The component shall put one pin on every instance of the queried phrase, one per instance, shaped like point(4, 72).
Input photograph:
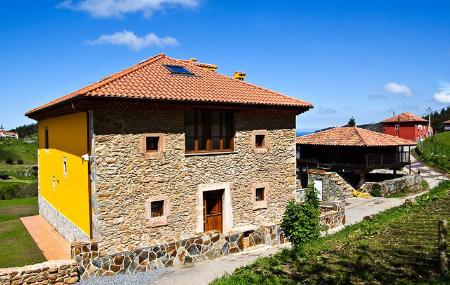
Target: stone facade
point(125, 179)
point(50, 272)
point(92, 262)
point(410, 182)
point(334, 187)
point(65, 227)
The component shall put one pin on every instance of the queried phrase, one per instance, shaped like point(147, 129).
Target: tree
point(351, 122)
point(301, 221)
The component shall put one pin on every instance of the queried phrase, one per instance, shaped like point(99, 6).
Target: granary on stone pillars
point(352, 152)
point(163, 150)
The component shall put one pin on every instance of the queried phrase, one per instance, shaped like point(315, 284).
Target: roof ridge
point(245, 82)
point(360, 135)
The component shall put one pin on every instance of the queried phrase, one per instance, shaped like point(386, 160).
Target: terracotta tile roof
point(352, 136)
point(150, 79)
point(446, 122)
point(404, 117)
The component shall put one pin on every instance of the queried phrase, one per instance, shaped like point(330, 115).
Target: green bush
point(301, 221)
point(376, 191)
point(29, 190)
point(9, 160)
point(8, 190)
point(11, 190)
point(20, 161)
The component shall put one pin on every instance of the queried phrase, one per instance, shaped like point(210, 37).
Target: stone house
point(164, 150)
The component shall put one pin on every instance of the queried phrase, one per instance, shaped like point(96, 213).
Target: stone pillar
point(362, 179)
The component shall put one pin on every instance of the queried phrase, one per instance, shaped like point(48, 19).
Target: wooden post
point(442, 245)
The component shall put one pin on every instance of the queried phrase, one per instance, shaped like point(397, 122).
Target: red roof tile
point(352, 136)
point(446, 122)
point(404, 117)
point(150, 79)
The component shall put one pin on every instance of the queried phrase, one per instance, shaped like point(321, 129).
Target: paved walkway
point(51, 243)
point(207, 271)
point(430, 175)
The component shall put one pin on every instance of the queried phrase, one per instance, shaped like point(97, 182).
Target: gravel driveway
point(128, 279)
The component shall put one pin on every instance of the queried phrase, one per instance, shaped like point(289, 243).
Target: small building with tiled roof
point(8, 135)
point(164, 150)
point(351, 150)
point(446, 125)
point(407, 126)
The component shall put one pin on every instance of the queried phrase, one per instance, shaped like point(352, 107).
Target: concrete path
point(49, 241)
point(430, 175)
point(207, 271)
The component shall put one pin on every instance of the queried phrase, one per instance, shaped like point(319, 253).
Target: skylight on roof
point(178, 69)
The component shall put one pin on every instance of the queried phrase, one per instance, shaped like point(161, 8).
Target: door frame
point(227, 213)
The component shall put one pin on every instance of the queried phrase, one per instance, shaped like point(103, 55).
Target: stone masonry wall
point(410, 182)
point(50, 272)
point(332, 214)
point(334, 187)
point(91, 261)
point(125, 179)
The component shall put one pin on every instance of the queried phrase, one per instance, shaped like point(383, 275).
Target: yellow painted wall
point(67, 140)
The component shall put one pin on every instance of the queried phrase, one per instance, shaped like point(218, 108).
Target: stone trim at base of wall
point(92, 262)
point(66, 228)
point(49, 272)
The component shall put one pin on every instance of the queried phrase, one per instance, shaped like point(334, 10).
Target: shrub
point(29, 190)
point(376, 191)
point(8, 190)
point(301, 221)
point(20, 161)
point(9, 160)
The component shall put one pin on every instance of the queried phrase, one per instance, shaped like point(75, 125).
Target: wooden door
point(212, 210)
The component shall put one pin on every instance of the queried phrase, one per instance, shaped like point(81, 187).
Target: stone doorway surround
point(227, 209)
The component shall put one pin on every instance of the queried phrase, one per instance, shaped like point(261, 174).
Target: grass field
point(398, 246)
point(435, 151)
point(17, 248)
point(21, 182)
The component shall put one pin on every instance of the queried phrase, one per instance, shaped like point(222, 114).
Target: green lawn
point(398, 246)
point(18, 149)
point(435, 151)
point(17, 248)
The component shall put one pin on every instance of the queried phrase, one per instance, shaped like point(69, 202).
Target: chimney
point(239, 75)
point(193, 59)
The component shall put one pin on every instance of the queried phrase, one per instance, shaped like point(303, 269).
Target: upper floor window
point(397, 126)
point(46, 142)
point(152, 145)
point(207, 130)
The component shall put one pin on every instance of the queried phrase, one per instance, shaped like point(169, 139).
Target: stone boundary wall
point(66, 228)
point(334, 187)
point(50, 272)
point(332, 214)
point(92, 261)
point(411, 182)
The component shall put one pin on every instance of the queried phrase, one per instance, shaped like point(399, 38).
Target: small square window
point(259, 192)
point(397, 127)
point(152, 144)
point(260, 141)
point(157, 209)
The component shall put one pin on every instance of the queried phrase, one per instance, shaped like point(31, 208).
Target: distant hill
point(18, 150)
point(435, 150)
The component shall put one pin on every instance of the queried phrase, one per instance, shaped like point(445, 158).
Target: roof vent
point(239, 75)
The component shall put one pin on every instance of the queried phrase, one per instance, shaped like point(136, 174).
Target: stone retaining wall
point(50, 272)
point(405, 183)
point(93, 262)
point(334, 187)
point(332, 214)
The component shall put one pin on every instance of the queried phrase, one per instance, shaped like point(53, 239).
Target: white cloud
point(117, 8)
point(396, 88)
point(129, 39)
point(442, 95)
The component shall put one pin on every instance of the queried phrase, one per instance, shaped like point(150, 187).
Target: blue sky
point(361, 58)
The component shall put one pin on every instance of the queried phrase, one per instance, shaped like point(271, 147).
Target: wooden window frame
point(265, 147)
point(260, 204)
point(157, 221)
point(206, 131)
point(153, 154)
